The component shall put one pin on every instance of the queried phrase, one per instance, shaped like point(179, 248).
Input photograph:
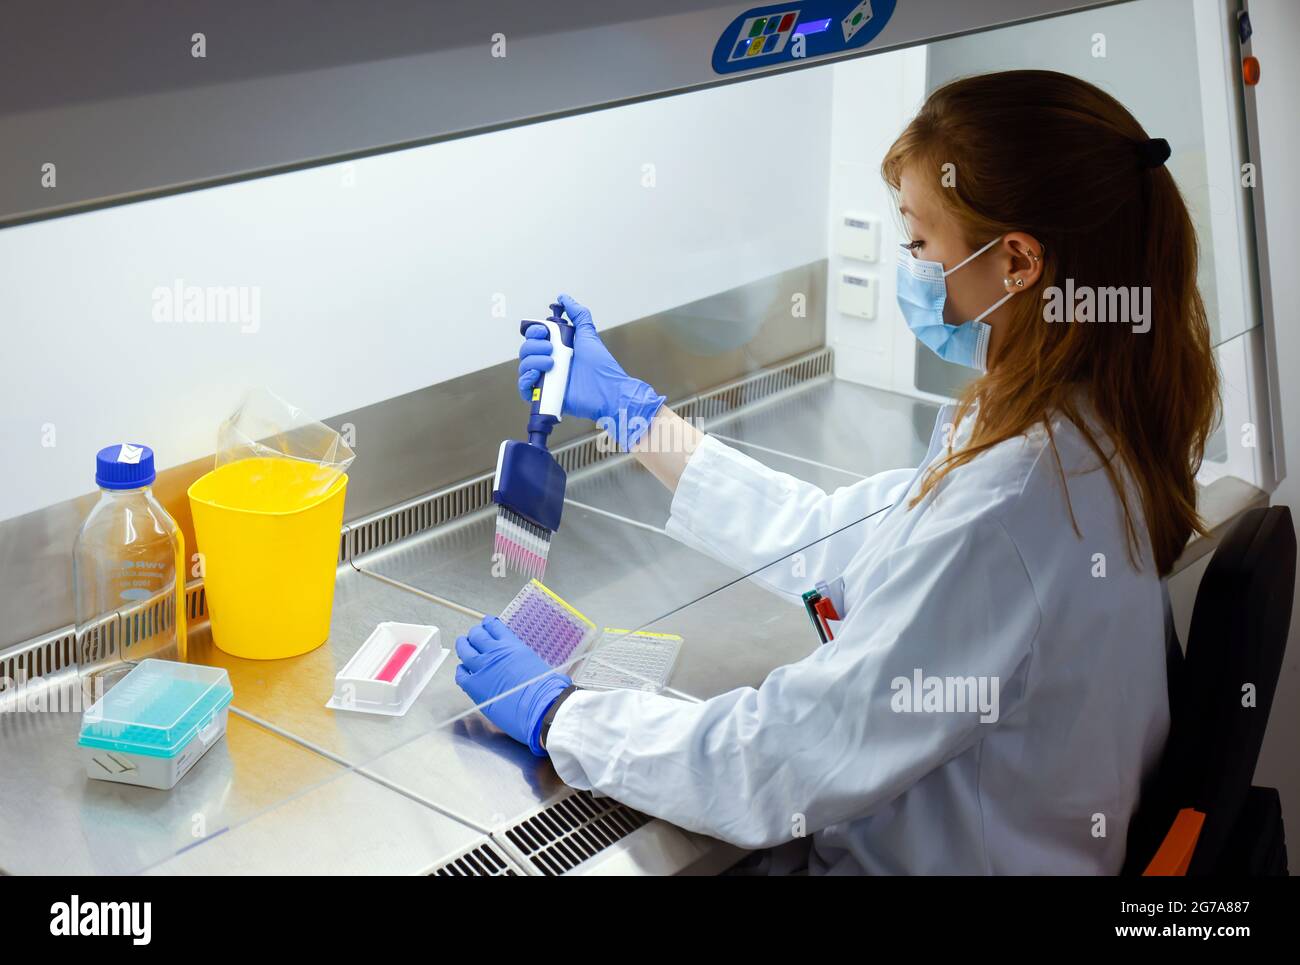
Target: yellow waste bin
point(268, 530)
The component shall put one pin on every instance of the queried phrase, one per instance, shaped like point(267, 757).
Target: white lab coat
point(985, 579)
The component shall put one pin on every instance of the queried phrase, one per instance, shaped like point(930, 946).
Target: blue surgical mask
point(922, 292)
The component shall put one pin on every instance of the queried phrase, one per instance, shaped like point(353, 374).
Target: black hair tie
point(1152, 153)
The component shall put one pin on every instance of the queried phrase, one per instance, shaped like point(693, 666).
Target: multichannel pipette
point(528, 487)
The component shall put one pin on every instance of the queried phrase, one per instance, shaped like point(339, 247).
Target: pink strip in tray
point(396, 662)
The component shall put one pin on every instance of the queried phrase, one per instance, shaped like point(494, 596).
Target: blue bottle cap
point(127, 465)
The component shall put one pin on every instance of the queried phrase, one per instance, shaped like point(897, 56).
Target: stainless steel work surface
point(471, 771)
point(290, 694)
point(628, 490)
point(736, 635)
point(734, 638)
point(441, 750)
point(829, 433)
point(608, 561)
point(841, 424)
point(56, 820)
point(347, 825)
point(264, 800)
point(624, 574)
point(616, 573)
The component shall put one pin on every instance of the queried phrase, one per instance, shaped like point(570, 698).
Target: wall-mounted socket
point(857, 235)
point(857, 294)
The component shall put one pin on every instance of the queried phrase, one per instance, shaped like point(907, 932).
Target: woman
point(1026, 552)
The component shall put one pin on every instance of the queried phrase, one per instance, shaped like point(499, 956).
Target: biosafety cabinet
point(386, 196)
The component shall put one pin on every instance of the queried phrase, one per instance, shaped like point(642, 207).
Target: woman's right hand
point(598, 389)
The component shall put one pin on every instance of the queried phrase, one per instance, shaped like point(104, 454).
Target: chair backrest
point(1221, 695)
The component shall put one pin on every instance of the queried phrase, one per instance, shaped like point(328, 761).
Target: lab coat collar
point(943, 423)
point(944, 426)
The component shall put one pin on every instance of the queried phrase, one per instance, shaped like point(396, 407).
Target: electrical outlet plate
point(857, 235)
point(857, 295)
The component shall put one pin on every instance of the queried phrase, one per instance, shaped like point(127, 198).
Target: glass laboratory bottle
point(129, 558)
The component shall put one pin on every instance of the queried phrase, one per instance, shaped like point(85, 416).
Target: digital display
point(813, 26)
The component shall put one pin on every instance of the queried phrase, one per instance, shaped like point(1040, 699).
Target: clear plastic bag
point(267, 428)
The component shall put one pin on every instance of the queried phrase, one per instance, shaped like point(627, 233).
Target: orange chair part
point(1175, 852)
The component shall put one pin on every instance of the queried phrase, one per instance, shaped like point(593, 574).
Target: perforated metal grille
point(418, 516)
point(99, 641)
point(38, 658)
point(196, 603)
point(104, 641)
point(560, 837)
point(726, 399)
point(147, 619)
point(480, 861)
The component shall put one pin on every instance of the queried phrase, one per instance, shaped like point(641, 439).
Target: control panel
point(778, 34)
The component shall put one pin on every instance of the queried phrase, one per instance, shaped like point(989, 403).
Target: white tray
point(356, 687)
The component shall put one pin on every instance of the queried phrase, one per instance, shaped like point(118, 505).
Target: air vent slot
point(148, 619)
point(43, 657)
point(483, 860)
point(196, 603)
point(558, 838)
point(99, 642)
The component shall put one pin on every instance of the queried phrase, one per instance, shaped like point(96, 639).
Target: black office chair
point(1201, 816)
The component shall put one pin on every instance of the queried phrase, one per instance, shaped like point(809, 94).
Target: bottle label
point(141, 579)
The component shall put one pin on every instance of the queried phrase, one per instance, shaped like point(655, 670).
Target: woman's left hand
point(495, 662)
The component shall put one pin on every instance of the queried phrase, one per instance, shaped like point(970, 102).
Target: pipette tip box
point(389, 671)
point(155, 723)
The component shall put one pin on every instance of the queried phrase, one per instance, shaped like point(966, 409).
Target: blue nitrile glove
point(494, 660)
point(599, 389)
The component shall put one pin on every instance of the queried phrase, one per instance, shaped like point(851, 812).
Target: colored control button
point(787, 22)
point(771, 43)
point(857, 19)
point(757, 29)
point(772, 24)
point(741, 48)
point(755, 47)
